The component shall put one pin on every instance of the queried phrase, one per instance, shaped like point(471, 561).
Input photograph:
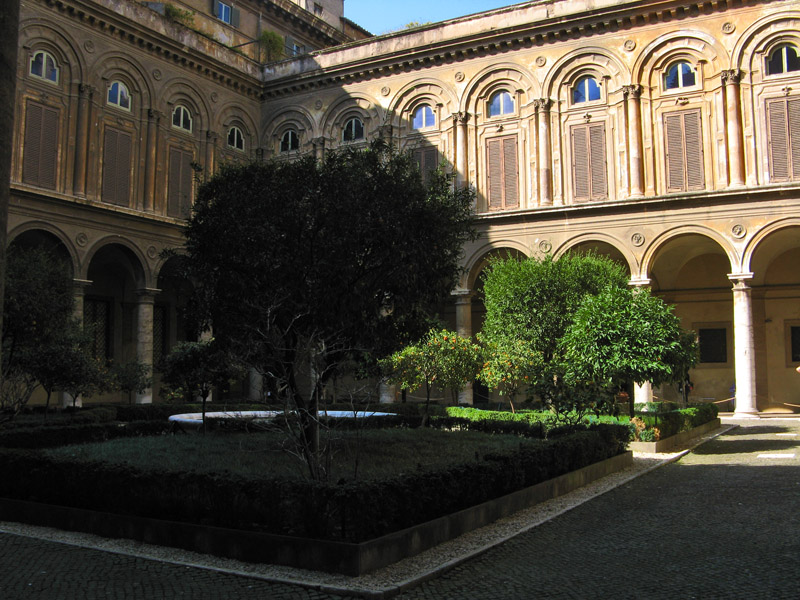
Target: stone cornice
point(298, 17)
point(148, 31)
point(369, 59)
point(635, 207)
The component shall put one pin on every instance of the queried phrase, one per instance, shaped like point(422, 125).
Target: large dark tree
point(304, 266)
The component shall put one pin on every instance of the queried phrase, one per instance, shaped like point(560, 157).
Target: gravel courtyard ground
point(720, 522)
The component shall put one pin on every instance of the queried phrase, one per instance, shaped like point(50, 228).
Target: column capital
point(212, 136)
point(147, 294)
point(85, 90)
point(634, 91)
point(462, 295)
point(731, 76)
point(154, 115)
point(543, 104)
point(461, 117)
point(80, 285)
point(740, 279)
point(639, 282)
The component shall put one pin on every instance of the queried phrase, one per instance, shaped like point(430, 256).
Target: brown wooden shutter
point(41, 146)
point(427, 160)
point(793, 108)
point(580, 163)
point(684, 151)
point(510, 175)
point(116, 167)
point(778, 140)
point(179, 200)
point(494, 161)
point(695, 169)
point(597, 161)
point(502, 172)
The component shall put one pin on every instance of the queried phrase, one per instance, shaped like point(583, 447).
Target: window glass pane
point(578, 92)
point(418, 118)
point(495, 106)
point(775, 62)
point(51, 71)
point(671, 79)
point(113, 93)
point(713, 345)
point(187, 120)
point(792, 60)
point(124, 98)
point(508, 104)
point(37, 64)
point(176, 116)
point(688, 78)
point(224, 12)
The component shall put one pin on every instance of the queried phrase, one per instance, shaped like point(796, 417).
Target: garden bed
point(323, 555)
point(674, 441)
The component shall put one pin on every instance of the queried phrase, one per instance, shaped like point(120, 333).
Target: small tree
point(509, 366)
point(442, 357)
point(197, 367)
point(86, 376)
point(625, 335)
point(132, 377)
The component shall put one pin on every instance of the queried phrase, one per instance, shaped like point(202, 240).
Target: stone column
point(211, 145)
point(545, 158)
point(743, 344)
point(460, 120)
point(387, 393)
point(733, 113)
point(319, 147)
point(463, 300)
point(144, 336)
point(633, 94)
point(150, 165)
point(85, 93)
point(255, 386)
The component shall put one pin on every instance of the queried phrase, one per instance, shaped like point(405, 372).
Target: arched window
point(44, 66)
point(290, 141)
point(423, 117)
point(679, 75)
point(353, 130)
point(585, 90)
point(235, 139)
point(182, 118)
point(501, 103)
point(783, 60)
point(119, 96)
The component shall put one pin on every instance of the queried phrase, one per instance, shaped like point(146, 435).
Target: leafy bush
point(51, 436)
point(654, 424)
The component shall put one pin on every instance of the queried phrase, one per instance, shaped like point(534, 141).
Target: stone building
point(663, 134)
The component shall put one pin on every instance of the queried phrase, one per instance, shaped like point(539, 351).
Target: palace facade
point(665, 135)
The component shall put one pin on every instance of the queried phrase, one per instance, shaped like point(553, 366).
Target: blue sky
point(380, 16)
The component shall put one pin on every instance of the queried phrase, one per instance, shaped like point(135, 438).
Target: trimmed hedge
point(45, 436)
point(354, 511)
point(670, 423)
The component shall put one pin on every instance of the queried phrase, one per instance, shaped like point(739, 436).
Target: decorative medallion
point(156, 74)
point(545, 246)
point(385, 91)
point(81, 239)
point(728, 27)
point(629, 45)
point(152, 252)
point(738, 230)
point(318, 104)
point(459, 76)
point(637, 239)
point(214, 97)
point(541, 61)
point(88, 45)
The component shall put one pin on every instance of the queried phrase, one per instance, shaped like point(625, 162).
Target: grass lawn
point(374, 454)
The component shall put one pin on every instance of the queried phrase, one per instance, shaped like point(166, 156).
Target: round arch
point(673, 45)
point(358, 105)
point(55, 233)
point(42, 34)
point(603, 244)
point(761, 36)
point(114, 65)
point(573, 65)
point(183, 91)
point(140, 272)
point(494, 76)
point(479, 258)
point(765, 246)
point(657, 245)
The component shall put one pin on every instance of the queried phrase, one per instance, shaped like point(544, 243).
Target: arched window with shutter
point(783, 59)
point(44, 66)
